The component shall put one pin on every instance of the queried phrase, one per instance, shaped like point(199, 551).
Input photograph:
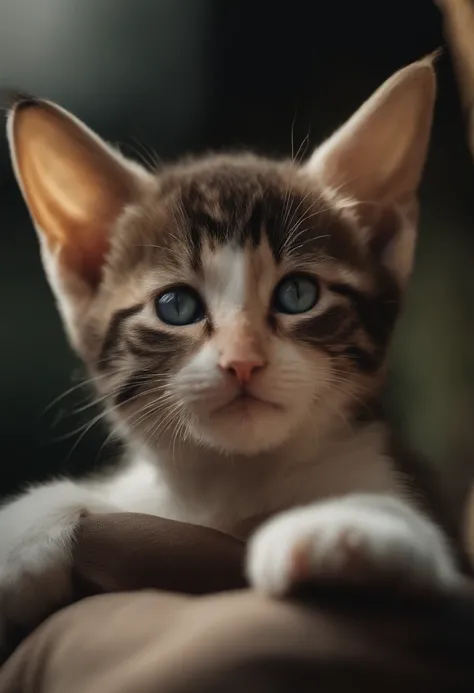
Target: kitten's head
point(230, 299)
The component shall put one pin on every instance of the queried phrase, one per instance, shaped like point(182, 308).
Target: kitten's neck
point(203, 486)
point(185, 461)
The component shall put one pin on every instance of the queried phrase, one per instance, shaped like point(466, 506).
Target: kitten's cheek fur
point(36, 542)
point(352, 539)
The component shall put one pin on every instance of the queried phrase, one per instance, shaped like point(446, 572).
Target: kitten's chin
point(244, 427)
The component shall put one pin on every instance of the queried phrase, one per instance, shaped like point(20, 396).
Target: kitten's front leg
point(356, 538)
point(37, 532)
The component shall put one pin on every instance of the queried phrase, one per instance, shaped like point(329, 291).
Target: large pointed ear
point(377, 158)
point(76, 186)
point(378, 155)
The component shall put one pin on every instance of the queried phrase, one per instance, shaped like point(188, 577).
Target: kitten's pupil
point(176, 299)
point(296, 289)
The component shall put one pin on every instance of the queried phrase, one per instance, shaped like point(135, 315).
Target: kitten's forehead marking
point(226, 275)
point(263, 273)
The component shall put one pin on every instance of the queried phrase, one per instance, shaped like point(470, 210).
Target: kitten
point(236, 314)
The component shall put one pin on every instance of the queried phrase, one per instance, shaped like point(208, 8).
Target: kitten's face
point(256, 306)
point(231, 301)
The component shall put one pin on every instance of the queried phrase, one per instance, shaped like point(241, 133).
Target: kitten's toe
point(346, 543)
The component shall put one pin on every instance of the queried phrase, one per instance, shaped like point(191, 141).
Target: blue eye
point(179, 306)
point(296, 294)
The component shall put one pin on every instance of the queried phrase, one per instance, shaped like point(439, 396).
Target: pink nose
point(243, 370)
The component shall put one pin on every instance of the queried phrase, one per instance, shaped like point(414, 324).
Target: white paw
point(36, 539)
point(357, 539)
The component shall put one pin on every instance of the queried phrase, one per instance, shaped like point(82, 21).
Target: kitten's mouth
point(244, 403)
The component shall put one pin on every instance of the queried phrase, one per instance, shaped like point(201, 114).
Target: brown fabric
point(129, 551)
point(132, 551)
point(139, 642)
point(459, 32)
point(156, 642)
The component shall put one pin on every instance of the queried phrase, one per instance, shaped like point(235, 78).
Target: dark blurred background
point(175, 76)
